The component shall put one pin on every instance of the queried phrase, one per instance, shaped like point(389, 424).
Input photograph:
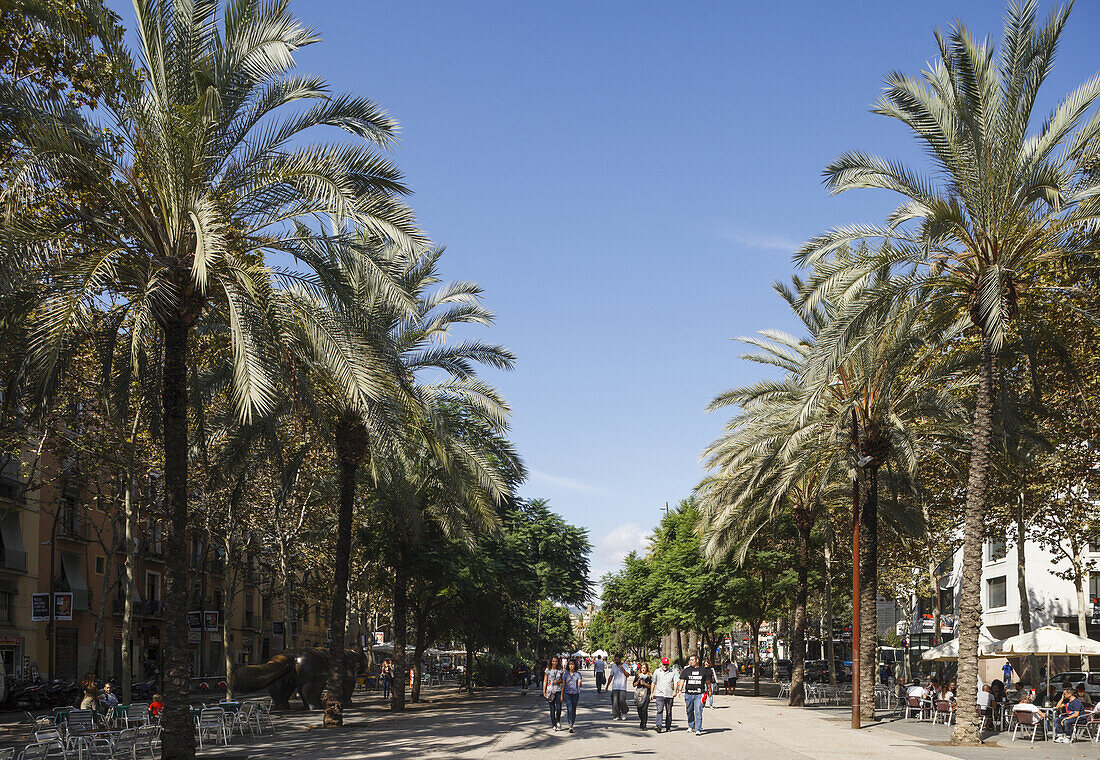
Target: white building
point(1052, 600)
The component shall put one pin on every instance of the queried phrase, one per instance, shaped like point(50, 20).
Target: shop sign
point(11, 641)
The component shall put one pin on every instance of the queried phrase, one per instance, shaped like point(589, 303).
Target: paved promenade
point(499, 723)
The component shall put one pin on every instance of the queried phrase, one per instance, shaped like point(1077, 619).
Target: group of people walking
point(562, 681)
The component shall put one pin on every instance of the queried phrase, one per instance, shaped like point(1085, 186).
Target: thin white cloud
point(762, 240)
point(612, 547)
point(567, 483)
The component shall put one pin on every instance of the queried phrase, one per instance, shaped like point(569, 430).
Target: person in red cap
point(664, 693)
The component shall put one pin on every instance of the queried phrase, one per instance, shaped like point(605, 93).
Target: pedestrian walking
point(619, 679)
point(693, 684)
point(551, 691)
point(731, 677)
point(643, 691)
point(712, 685)
point(664, 694)
point(600, 667)
point(571, 688)
point(386, 678)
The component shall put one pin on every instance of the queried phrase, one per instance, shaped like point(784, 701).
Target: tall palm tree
point(1002, 207)
point(358, 375)
point(198, 173)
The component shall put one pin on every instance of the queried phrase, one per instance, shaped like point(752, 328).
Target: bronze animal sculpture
point(304, 670)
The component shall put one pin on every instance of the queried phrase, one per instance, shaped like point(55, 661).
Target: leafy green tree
point(1002, 208)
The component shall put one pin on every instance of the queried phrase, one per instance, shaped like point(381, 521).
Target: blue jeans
point(571, 707)
point(694, 705)
point(1065, 726)
point(555, 708)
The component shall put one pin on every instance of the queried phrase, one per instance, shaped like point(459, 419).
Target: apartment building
point(55, 531)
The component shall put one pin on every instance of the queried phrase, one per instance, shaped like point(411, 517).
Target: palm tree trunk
point(830, 654)
point(798, 642)
point(334, 698)
point(868, 596)
point(400, 626)
point(177, 730)
point(967, 724)
point(129, 506)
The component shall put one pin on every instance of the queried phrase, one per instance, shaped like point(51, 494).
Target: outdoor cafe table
point(60, 713)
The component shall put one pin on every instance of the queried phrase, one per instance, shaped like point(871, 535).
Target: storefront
point(11, 654)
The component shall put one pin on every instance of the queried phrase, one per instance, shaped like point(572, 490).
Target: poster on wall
point(63, 605)
point(211, 621)
point(40, 607)
point(194, 621)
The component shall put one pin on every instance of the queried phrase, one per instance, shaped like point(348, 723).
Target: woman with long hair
point(571, 688)
point(551, 690)
point(643, 690)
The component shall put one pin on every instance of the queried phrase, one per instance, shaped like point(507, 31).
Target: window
point(1094, 588)
point(152, 586)
point(100, 565)
point(1094, 544)
point(947, 601)
point(8, 488)
point(7, 602)
point(996, 592)
point(996, 549)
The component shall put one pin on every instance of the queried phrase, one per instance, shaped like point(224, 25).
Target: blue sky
point(625, 180)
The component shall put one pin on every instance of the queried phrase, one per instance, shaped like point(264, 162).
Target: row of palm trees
point(906, 321)
point(197, 219)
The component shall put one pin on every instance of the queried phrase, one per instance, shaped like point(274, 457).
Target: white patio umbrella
point(949, 650)
point(1048, 640)
point(599, 653)
point(580, 653)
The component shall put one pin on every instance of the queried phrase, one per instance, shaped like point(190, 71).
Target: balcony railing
point(13, 559)
point(82, 598)
point(73, 527)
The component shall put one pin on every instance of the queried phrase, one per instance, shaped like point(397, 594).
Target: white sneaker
point(699, 732)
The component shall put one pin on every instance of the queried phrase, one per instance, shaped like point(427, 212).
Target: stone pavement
point(499, 722)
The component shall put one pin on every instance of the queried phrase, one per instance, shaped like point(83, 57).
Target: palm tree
point(198, 174)
point(1001, 208)
point(358, 376)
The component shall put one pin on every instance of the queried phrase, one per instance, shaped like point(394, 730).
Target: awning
point(11, 533)
point(74, 571)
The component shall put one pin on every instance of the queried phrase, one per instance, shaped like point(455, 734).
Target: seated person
point(916, 690)
point(997, 692)
point(1083, 695)
point(1067, 716)
point(949, 692)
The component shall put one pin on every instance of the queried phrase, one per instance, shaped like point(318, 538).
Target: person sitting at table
point(1068, 715)
point(90, 701)
point(916, 690)
point(108, 698)
point(1084, 696)
point(949, 692)
point(156, 705)
point(935, 690)
point(997, 692)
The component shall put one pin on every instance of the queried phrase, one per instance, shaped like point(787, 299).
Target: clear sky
point(626, 179)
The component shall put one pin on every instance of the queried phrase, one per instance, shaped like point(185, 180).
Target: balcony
point(144, 608)
point(72, 527)
point(251, 621)
point(13, 559)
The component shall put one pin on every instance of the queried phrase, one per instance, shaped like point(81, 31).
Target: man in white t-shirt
point(600, 666)
point(916, 690)
point(619, 678)
point(731, 677)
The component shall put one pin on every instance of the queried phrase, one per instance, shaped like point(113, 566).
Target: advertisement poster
point(63, 605)
point(211, 621)
point(194, 621)
point(40, 607)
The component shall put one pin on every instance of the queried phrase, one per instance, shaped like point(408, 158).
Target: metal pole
point(855, 582)
point(51, 627)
